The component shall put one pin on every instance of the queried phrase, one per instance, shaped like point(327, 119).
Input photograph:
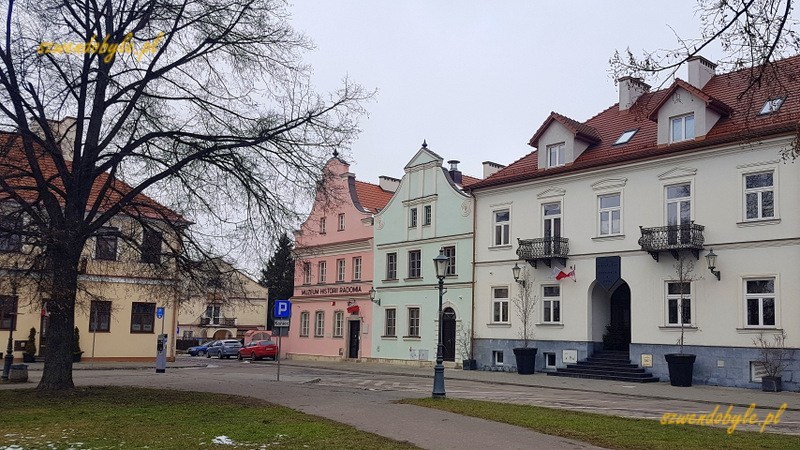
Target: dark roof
point(722, 93)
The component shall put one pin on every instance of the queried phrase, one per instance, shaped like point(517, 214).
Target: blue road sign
point(283, 309)
point(160, 312)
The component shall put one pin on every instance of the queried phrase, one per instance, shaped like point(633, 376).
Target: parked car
point(224, 348)
point(258, 350)
point(199, 350)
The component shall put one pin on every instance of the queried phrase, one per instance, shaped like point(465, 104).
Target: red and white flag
point(571, 274)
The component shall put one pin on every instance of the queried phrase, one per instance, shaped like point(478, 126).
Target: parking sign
point(160, 312)
point(283, 309)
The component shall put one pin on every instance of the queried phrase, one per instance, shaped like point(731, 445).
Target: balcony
point(544, 249)
point(672, 239)
point(217, 322)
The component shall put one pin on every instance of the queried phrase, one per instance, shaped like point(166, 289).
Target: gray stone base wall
point(722, 366)
point(483, 348)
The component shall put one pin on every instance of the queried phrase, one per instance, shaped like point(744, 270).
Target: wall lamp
point(711, 259)
point(372, 298)
point(516, 270)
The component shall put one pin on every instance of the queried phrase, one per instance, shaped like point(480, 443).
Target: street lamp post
point(9, 358)
point(438, 371)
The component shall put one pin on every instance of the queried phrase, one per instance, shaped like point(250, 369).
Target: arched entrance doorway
point(449, 334)
point(611, 316)
point(223, 334)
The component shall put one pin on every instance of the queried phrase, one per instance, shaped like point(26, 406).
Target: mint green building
point(429, 213)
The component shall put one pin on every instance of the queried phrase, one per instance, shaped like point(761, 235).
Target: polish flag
point(571, 274)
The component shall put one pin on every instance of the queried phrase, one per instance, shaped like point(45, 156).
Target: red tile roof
point(583, 131)
point(15, 170)
point(711, 102)
point(371, 196)
point(467, 181)
point(721, 92)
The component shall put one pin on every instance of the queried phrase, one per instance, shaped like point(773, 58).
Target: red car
point(258, 350)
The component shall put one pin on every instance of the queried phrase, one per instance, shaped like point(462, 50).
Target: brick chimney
point(700, 71)
point(388, 184)
point(630, 89)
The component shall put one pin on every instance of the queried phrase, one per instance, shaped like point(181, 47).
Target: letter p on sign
point(283, 309)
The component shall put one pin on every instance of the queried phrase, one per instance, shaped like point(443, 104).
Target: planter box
point(526, 360)
point(771, 384)
point(469, 364)
point(681, 368)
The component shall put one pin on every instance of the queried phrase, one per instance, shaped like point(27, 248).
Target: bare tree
point(525, 306)
point(205, 105)
point(684, 276)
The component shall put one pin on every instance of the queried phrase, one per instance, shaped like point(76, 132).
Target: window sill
point(412, 279)
point(677, 328)
point(755, 330)
point(501, 247)
point(303, 335)
point(319, 337)
point(390, 280)
point(610, 237)
point(550, 324)
point(338, 337)
point(393, 338)
point(498, 325)
point(451, 277)
point(758, 222)
point(340, 281)
point(412, 338)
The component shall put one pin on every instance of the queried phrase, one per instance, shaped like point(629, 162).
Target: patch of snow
point(223, 440)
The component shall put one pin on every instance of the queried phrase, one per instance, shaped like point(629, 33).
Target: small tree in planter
point(29, 355)
point(773, 360)
point(76, 346)
point(465, 348)
point(524, 305)
point(681, 365)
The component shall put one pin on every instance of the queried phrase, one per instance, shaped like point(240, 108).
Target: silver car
point(224, 348)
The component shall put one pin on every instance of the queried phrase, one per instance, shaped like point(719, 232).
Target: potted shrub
point(524, 304)
point(465, 348)
point(29, 355)
point(681, 365)
point(76, 346)
point(773, 359)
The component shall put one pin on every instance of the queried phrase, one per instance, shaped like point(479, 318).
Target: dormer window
point(626, 137)
point(682, 128)
point(771, 106)
point(555, 155)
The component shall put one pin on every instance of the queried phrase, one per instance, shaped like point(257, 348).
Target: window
point(682, 128)
point(427, 215)
point(106, 244)
point(390, 326)
point(304, 324)
point(151, 246)
point(10, 242)
point(759, 196)
point(760, 299)
point(338, 324)
point(322, 225)
point(497, 357)
point(414, 264)
point(555, 155)
point(625, 137)
point(450, 252)
point(610, 214)
point(213, 314)
point(549, 360)
point(340, 269)
point(356, 268)
point(500, 305)
point(188, 334)
point(391, 266)
point(412, 218)
point(502, 223)
point(341, 222)
point(772, 105)
point(8, 312)
point(319, 324)
point(143, 316)
point(100, 316)
point(413, 322)
point(679, 214)
point(322, 268)
point(551, 304)
point(679, 303)
point(306, 273)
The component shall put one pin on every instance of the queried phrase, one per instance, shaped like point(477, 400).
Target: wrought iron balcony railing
point(544, 249)
point(217, 321)
point(673, 239)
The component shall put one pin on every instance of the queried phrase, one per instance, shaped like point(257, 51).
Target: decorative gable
point(686, 113)
point(560, 140)
point(424, 157)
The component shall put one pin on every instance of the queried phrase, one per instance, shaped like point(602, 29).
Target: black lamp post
point(711, 259)
point(9, 358)
point(438, 371)
point(372, 293)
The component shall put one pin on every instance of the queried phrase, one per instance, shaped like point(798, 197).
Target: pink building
point(331, 308)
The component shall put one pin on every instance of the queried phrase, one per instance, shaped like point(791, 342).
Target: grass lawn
point(122, 417)
point(610, 431)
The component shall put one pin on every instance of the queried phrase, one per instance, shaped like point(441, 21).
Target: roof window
point(772, 105)
point(626, 136)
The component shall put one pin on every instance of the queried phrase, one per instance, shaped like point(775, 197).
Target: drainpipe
point(474, 252)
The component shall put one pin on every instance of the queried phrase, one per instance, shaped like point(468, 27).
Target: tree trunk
point(63, 261)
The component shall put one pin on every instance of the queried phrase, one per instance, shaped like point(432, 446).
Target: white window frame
point(323, 225)
point(341, 222)
point(356, 268)
point(550, 304)
point(391, 266)
point(682, 118)
point(338, 324)
point(341, 269)
point(560, 155)
point(413, 217)
point(761, 297)
point(414, 322)
point(418, 267)
point(502, 303)
point(678, 304)
point(498, 358)
point(322, 271)
point(319, 324)
point(504, 226)
point(450, 269)
point(609, 211)
point(427, 215)
point(390, 322)
point(306, 272)
point(304, 323)
point(759, 192)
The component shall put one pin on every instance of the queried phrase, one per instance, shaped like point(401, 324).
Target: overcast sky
point(476, 78)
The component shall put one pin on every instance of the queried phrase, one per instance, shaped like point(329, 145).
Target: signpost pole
point(280, 334)
point(281, 314)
